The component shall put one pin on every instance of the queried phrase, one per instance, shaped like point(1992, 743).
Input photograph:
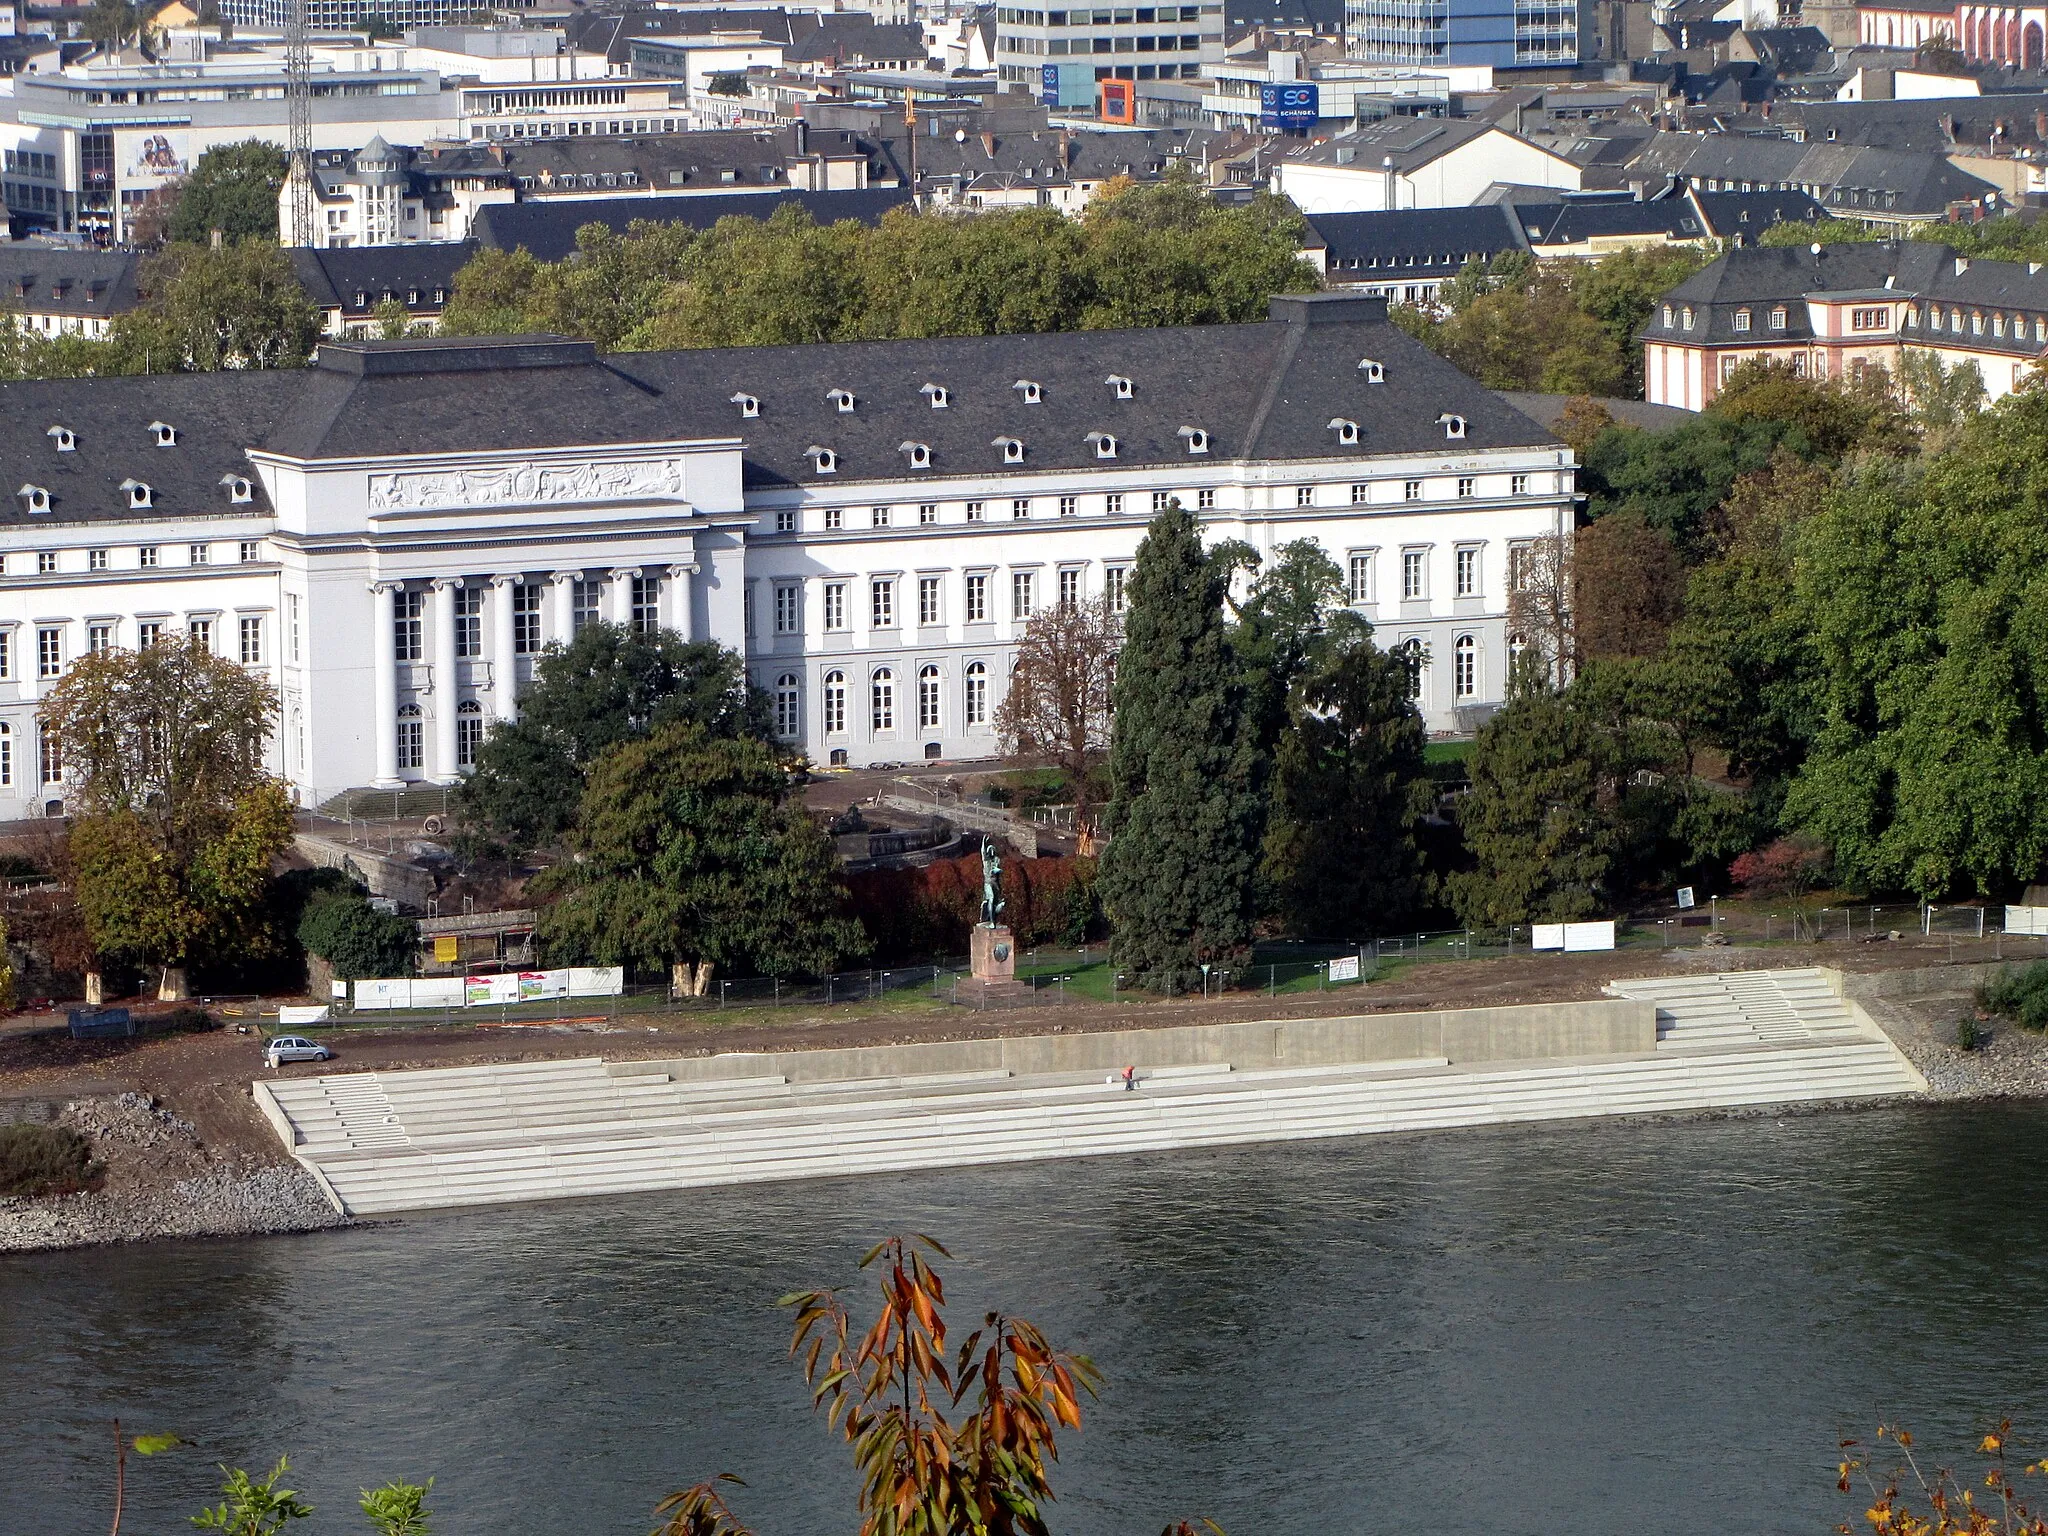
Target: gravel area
point(163, 1181)
point(2008, 1063)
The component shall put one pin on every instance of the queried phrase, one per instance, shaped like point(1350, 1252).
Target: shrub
point(189, 1020)
point(357, 940)
point(2021, 996)
point(1786, 868)
point(44, 1160)
point(1969, 1033)
point(920, 914)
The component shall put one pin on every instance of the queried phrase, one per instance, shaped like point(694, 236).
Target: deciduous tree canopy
point(233, 189)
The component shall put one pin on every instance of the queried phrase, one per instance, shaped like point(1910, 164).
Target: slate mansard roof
point(1265, 391)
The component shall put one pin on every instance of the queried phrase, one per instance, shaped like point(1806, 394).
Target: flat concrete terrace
point(417, 1140)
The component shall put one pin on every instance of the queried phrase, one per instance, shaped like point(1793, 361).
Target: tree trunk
point(95, 989)
point(679, 979)
point(172, 988)
point(702, 985)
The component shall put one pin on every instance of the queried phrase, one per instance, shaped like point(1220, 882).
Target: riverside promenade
point(386, 1142)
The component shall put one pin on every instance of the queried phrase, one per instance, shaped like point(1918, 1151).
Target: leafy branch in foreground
point(1908, 1501)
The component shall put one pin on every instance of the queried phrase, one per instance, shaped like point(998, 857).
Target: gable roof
point(67, 281)
point(548, 229)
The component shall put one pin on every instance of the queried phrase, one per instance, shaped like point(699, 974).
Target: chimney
point(988, 145)
point(1393, 182)
point(2041, 126)
point(803, 137)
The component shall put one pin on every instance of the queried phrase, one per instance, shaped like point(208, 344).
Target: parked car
point(280, 1049)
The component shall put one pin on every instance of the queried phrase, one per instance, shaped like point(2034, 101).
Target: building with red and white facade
point(1839, 313)
point(1983, 34)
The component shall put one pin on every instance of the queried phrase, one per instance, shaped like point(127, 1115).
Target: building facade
point(1501, 34)
point(393, 535)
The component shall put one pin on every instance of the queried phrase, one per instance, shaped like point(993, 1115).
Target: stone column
point(445, 691)
point(682, 600)
point(565, 605)
point(384, 677)
point(504, 663)
point(622, 595)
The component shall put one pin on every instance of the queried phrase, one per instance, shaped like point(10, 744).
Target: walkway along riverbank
point(419, 1140)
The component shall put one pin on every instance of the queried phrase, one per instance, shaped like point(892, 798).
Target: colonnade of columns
point(440, 621)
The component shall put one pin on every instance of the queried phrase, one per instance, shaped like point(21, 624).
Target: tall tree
point(238, 306)
point(606, 686)
point(1058, 704)
point(176, 820)
point(1185, 813)
point(233, 189)
point(1626, 586)
point(690, 852)
point(1349, 787)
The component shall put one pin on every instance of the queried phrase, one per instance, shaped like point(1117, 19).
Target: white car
point(283, 1048)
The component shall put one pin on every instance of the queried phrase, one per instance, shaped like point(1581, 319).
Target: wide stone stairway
point(398, 1141)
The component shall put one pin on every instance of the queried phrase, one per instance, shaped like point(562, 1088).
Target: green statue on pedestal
point(991, 882)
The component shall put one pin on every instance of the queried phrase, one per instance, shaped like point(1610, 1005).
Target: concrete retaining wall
point(400, 879)
point(1917, 982)
point(1539, 1031)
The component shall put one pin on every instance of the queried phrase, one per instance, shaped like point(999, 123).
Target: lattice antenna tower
point(298, 92)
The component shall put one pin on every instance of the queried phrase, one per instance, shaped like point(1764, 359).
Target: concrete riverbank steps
point(400, 1141)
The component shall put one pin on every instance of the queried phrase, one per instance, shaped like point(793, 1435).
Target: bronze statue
point(991, 882)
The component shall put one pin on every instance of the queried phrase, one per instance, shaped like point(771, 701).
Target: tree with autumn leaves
point(175, 818)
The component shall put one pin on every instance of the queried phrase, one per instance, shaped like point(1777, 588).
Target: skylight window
point(1103, 443)
point(65, 439)
point(1347, 431)
point(1032, 391)
point(750, 406)
point(165, 434)
point(1375, 372)
point(35, 497)
point(842, 400)
point(1119, 386)
point(824, 460)
point(1453, 424)
point(238, 488)
point(139, 494)
point(938, 394)
point(1196, 439)
point(1013, 450)
point(920, 454)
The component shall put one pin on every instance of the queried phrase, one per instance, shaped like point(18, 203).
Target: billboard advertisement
point(151, 155)
point(1289, 104)
point(1116, 101)
point(1049, 84)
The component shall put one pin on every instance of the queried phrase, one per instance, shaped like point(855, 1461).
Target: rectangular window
point(834, 517)
point(6, 654)
point(1411, 490)
point(96, 560)
point(1069, 505)
point(1870, 319)
point(1742, 320)
point(974, 709)
point(200, 633)
point(99, 637)
point(526, 602)
point(201, 553)
point(46, 561)
point(974, 511)
point(1023, 585)
point(6, 755)
point(927, 599)
point(1304, 495)
point(788, 707)
point(1159, 501)
point(974, 608)
point(251, 636)
point(49, 651)
point(1520, 557)
point(789, 609)
point(646, 605)
point(1113, 503)
point(52, 742)
point(293, 631)
point(1361, 578)
point(148, 633)
point(412, 740)
point(785, 521)
point(928, 699)
point(252, 551)
point(586, 600)
point(927, 513)
point(881, 517)
point(145, 557)
point(1070, 588)
point(1205, 499)
point(1414, 575)
point(1113, 588)
point(882, 603)
point(835, 704)
point(469, 736)
point(1467, 486)
point(1518, 485)
point(882, 701)
point(406, 609)
point(1468, 573)
point(835, 605)
point(469, 621)
point(1360, 495)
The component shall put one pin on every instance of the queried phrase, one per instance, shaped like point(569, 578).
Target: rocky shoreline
point(162, 1182)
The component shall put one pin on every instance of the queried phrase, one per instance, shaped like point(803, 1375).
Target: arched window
point(835, 703)
point(6, 754)
point(975, 707)
point(1465, 666)
point(412, 737)
point(1416, 659)
point(882, 701)
point(928, 698)
point(469, 732)
point(52, 744)
point(788, 717)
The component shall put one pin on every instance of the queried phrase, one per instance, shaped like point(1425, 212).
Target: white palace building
point(394, 533)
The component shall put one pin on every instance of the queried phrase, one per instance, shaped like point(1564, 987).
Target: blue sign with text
point(1049, 84)
point(1289, 106)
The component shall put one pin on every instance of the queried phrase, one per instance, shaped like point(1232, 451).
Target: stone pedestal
point(994, 952)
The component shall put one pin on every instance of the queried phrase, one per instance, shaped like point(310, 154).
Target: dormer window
point(238, 488)
point(1013, 450)
point(34, 497)
point(938, 394)
point(920, 454)
point(1119, 386)
point(165, 434)
point(1375, 372)
point(842, 400)
point(750, 407)
point(1196, 439)
point(1667, 317)
point(139, 494)
point(65, 439)
point(1453, 424)
point(824, 460)
point(1032, 391)
point(1347, 431)
point(1103, 443)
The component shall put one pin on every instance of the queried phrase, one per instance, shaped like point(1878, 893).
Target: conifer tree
point(1184, 816)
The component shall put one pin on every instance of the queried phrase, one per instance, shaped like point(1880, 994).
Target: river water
point(1618, 1328)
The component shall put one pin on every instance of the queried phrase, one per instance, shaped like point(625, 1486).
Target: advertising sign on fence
point(489, 991)
point(1345, 969)
point(1573, 938)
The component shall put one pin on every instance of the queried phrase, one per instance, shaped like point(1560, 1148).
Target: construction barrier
point(489, 991)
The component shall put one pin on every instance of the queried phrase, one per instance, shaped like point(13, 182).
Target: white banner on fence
point(489, 991)
point(1574, 938)
point(288, 1014)
point(2026, 920)
point(1344, 969)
